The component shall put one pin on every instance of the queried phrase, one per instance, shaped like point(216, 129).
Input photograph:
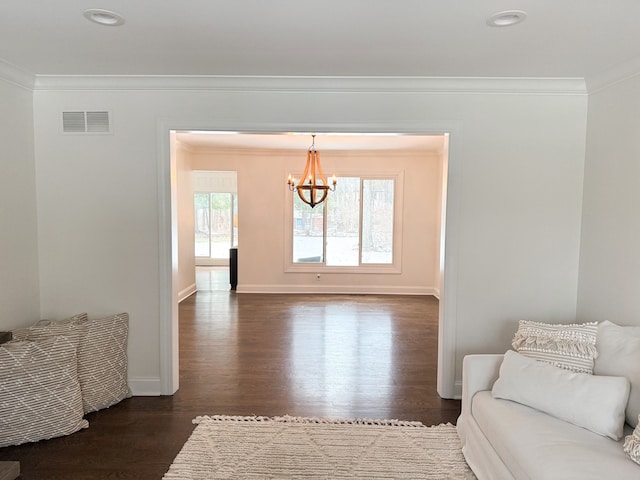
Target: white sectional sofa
point(545, 437)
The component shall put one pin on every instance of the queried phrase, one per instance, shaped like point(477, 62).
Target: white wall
point(19, 285)
point(263, 196)
point(609, 287)
point(186, 221)
point(513, 207)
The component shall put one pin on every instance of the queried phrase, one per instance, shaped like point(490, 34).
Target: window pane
point(308, 228)
point(221, 224)
point(201, 208)
point(377, 221)
point(234, 235)
point(343, 226)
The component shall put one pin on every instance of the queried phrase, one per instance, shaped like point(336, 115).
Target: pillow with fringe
point(572, 347)
point(632, 444)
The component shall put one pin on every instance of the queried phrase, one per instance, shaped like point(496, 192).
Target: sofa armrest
point(479, 372)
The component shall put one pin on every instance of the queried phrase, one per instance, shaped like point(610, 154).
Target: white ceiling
point(559, 38)
point(323, 142)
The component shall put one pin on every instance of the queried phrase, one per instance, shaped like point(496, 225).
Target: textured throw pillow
point(619, 354)
point(102, 355)
point(594, 402)
point(74, 328)
point(632, 444)
point(572, 347)
point(40, 395)
point(46, 328)
point(102, 362)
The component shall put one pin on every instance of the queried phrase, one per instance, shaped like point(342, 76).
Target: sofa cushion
point(535, 445)
point(40, 395)
point(594, 402)
point(619, 354)
point(572, 347)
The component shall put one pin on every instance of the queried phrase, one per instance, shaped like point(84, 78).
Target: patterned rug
point(314, 448)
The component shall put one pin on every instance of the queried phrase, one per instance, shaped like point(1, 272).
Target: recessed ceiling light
point(104, 17)
point(506, 18)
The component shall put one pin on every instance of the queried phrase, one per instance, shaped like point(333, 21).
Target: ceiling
point(333, 38)
point(559, 38)
point(323, 141)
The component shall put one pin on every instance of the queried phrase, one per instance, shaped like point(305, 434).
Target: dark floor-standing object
point(233, 267)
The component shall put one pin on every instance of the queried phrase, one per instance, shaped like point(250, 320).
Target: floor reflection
point(341, 357)
point(212, 279)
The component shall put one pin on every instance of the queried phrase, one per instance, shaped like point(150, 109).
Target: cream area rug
point(314, 448)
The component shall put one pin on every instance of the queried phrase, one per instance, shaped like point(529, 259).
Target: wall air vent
point(86, 122)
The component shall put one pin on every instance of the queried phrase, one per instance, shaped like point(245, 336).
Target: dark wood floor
point(337, 356)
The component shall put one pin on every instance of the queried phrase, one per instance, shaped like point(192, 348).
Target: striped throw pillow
point(572, 347)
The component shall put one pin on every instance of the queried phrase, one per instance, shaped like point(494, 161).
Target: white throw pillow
point(596, 403)
point(572, 347)
point(619, 354)
point(632, 444)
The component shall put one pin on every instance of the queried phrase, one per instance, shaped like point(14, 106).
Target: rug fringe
point(318, 420)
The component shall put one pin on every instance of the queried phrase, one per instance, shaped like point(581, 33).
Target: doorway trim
point(167, 233)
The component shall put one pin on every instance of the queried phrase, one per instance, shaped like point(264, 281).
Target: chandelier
point(312, 187)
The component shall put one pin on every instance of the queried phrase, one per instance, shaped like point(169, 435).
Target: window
point(357, 228)
point(216, 224)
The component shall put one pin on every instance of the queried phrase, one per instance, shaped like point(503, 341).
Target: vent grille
point(86, 122)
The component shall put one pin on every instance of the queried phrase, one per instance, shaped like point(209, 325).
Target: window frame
point(395, 267)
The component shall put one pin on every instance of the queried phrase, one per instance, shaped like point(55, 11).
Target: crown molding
point(16, 76)
point(457, 85)
point(612, 76)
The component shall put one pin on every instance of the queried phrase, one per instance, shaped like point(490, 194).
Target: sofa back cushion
point(619, 354)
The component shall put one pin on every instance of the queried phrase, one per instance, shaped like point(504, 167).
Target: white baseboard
point(458, 390)
point(187, 292)
point(145, 387)
point(337, 289)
